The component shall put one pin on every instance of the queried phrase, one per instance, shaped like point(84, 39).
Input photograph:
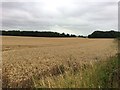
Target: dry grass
point(27, 59)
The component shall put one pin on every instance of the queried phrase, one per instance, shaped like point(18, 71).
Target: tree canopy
point(104, 34)
point(36, 33)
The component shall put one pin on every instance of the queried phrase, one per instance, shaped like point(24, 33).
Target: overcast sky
point(69, 16)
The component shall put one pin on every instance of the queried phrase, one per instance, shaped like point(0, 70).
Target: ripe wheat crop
point(27, 60)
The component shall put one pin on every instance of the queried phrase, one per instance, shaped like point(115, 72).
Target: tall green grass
point(101, 74)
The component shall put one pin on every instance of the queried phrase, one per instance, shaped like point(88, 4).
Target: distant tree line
point(95, 34)
point(36, 34)
point(104, 34)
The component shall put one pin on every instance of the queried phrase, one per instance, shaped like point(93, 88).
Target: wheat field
point(28, 57)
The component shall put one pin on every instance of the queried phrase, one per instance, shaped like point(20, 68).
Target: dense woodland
point(95, 34)
point(36, 34)
point(104, 34)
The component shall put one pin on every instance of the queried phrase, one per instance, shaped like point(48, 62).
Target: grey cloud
point(70, 17)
